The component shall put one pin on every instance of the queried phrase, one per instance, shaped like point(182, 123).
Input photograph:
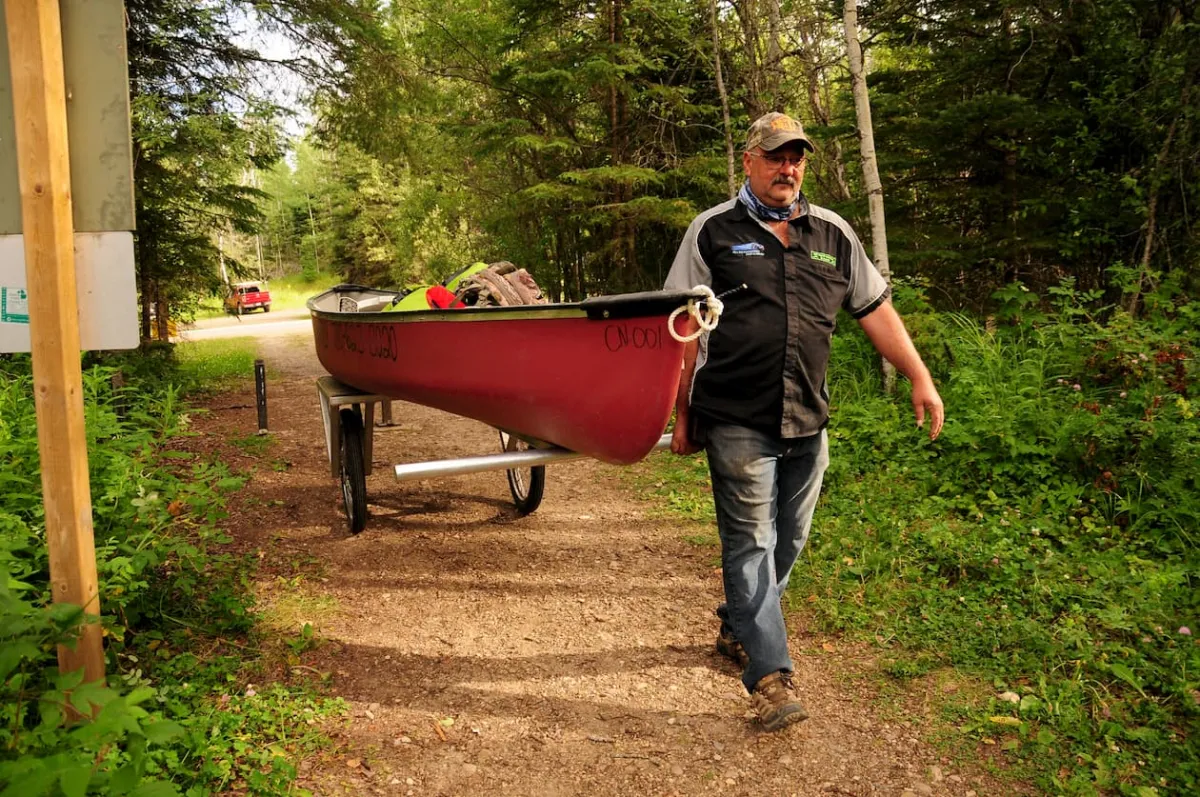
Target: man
point(753, 392)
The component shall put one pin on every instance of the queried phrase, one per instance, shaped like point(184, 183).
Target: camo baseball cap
point(773, 130)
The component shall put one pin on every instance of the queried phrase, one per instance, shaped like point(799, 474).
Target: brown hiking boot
point(776, 703)
point(729, 647)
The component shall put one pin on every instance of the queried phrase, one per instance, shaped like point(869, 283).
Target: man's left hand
point(681, 443)
point(926, 400)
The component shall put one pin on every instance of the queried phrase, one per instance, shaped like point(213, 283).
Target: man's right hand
point(680, 442)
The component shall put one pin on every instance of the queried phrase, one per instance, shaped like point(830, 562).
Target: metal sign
point(95, 70)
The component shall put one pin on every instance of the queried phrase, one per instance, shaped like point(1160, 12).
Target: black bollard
point(260, 388)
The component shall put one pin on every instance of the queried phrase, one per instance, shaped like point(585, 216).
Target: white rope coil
point(707, 320)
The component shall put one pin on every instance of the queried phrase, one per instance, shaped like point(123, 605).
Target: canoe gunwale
point(630, 305)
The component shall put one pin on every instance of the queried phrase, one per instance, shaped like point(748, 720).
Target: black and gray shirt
point(764, 365)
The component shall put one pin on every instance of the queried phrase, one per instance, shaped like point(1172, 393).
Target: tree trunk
point(162, 311)
point(1133, 301)
point(1013, 211)
point(774, 61)
point(832, 172)
point(144, 289)
point(731, 164)
point(580, 275)
point(312, 225)
point(145, 310)
point(562, 282)
point(622, 127)
point(613, 12)
point(866, 135)
point(145, 286)
point(764, 59)
point(625, 238)
point(747, 12)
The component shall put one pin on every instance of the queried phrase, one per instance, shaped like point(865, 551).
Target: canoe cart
point(596, 378)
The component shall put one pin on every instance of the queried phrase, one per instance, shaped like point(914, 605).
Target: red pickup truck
point(244, 296)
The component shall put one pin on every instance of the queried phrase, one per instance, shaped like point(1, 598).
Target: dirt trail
point(568, 652)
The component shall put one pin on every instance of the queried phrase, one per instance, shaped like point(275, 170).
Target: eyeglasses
point(776, 161)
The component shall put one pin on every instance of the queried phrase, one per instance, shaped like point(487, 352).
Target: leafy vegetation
point(1017, 140)
point(174, 597)
point(1020, 138)
point(206, 119)
point(193, 136)
point(1045, 543)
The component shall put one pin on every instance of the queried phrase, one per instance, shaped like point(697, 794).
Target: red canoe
point(598, 377)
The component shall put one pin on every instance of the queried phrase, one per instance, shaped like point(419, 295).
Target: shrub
point(162, 569)
point(1047, 539)
point(1045, 543)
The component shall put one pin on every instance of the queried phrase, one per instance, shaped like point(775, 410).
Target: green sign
point(14, 306)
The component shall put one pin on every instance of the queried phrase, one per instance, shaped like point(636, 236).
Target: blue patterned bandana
point(765, 212)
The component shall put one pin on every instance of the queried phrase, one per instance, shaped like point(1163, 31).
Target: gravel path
point(564, 653)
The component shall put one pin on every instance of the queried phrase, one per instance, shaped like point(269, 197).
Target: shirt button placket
point(791, 349)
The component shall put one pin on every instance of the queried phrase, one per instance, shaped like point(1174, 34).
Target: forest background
point(1026, 142)
point(1040, 170)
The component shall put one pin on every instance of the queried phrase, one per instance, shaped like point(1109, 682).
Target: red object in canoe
point(598, 377)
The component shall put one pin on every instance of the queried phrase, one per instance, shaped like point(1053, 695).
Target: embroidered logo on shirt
point(749, 250)
point(824, 258)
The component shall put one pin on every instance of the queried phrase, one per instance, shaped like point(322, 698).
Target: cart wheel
point(525, 484)
point(354, 480)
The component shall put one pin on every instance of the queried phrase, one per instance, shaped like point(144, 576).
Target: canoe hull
point(603, 387)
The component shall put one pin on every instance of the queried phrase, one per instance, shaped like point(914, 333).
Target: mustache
point(782, 180)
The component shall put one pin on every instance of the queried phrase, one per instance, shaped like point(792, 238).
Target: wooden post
point(39, 108)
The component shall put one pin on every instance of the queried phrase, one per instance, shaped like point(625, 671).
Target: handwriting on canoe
point(624, 336)
point(371, 340)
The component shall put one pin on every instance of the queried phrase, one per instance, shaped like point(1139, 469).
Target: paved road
point(256, 325)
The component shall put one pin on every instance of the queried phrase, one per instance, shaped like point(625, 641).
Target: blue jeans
point(765, 490)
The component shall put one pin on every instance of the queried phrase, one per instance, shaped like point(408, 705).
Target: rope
point(707, 322)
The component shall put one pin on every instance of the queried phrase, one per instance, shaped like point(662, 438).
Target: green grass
point(255, 445)
point(288, 605)
point(210, 307)
point(287, 293)
point(292, 291)
point(214, 365)
point(681, 483)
